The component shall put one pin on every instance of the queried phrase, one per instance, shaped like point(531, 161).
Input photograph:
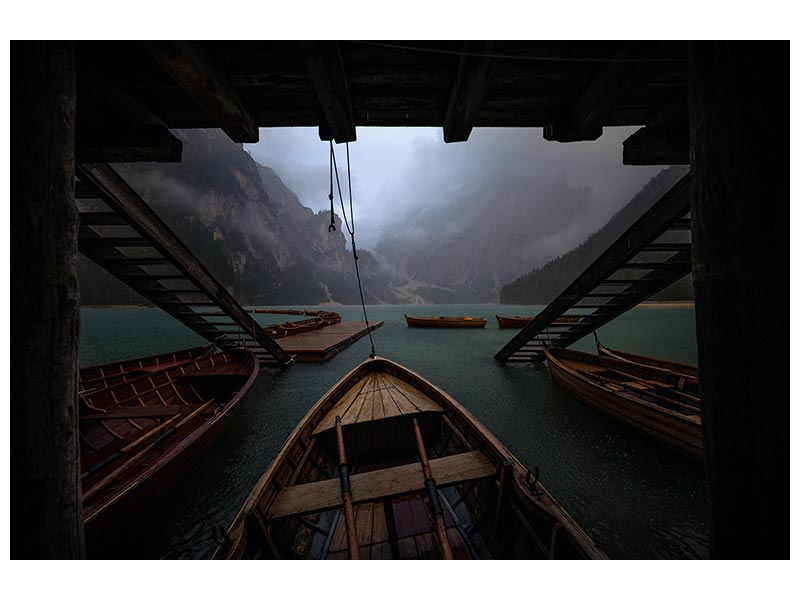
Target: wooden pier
point(322, 344)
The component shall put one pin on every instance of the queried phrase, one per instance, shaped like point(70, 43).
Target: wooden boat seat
point(375, 486)
point(142, 412)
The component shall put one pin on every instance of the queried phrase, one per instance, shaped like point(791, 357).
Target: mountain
point(247, 228)
point(542, 285)
point(465, 249)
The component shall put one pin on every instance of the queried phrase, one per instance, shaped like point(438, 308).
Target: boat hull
point(685, 369)
point(113, 515)
point(105, 375)
point(676, 431)
point(451, 322)
point(530, 510)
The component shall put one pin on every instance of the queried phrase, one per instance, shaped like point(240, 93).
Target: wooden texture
point(202, 80)
point(740, 223)
point(660, 363)
point(105, 375)
point(130, 453)
point(375, 486)
point(324, 343)
point(326, 71)
point(583, 121)
point(680, 432)
point(471, 85)
point(280, 493)
point(45, 328)
point(377, 396)
point(456, 322)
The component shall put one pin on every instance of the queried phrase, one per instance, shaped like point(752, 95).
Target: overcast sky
point(397, 170)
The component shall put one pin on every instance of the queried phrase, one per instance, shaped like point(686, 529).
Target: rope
point(578, 59)
point(352, 232)
point(332, 226)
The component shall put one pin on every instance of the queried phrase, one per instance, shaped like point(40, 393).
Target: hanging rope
point(351, 229)
point(332, 226)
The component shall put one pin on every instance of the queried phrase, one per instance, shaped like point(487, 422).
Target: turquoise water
point(635, 499)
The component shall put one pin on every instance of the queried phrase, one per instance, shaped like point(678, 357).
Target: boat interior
point(663, 388)
point(389, 424)
point(127, 427)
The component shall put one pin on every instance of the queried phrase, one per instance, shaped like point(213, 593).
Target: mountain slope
point(541, 285)
point(247, 228)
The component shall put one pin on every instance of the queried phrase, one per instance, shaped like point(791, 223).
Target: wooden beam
point(326, 71)
point(609, 89)
point(657, 146)
point(471, 85)
point(665, 140)
point(103, 140)
point(112, 126)
point(207, 86)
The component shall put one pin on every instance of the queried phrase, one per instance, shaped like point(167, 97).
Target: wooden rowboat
point(444, 322)
point(685, 369)
point(512, 322)
point(137, 435)
point(102, 376)
point(649, 401)
point(387, 465)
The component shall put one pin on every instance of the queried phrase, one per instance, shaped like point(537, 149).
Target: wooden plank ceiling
point(131, 94)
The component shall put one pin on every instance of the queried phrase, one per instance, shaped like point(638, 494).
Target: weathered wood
point(379, 485)
point(45, 475)
point(326, 70)
point(112, 126)
point(433, 494)
point(346, 495)
point(608, 90)
point(740, 226)
point(203, 81)
point(471, 85)
point(665, 145)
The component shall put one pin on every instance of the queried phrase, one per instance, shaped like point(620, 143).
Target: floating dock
point(322, 344)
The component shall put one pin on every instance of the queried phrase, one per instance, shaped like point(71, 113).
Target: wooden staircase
point(122, 234)
point(644, 260)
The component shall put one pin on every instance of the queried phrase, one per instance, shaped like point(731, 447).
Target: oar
point(433, 495)
point(128, 447)
point(136, 457)
point(347, 497)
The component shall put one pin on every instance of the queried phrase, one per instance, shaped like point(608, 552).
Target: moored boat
point(445, 321)
point(388, 466)
point(512, 322)
point(685, 369)
point(137, 435)
point(105, 375)
point(649, 401)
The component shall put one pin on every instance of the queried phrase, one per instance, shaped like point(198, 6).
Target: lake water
point(635, 499)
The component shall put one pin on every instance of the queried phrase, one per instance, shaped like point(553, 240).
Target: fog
point(397, 172)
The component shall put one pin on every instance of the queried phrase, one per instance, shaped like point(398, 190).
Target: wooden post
point(739, 125)
point(46, 513)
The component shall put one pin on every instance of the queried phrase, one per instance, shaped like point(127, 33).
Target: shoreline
point(667, 304)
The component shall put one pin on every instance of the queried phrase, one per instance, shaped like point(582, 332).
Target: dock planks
point(322, 344)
